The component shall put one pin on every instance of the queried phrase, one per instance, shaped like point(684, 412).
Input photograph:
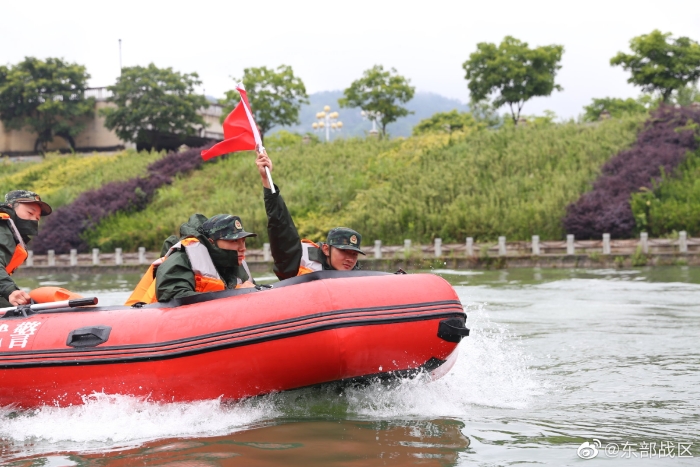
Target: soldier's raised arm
point(285, 244)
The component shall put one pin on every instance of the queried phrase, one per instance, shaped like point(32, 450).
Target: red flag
point(240, 130)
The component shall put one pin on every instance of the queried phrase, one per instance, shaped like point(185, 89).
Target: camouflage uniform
point(7, 249)
point(285, 243)
point(175, 279)
point(7, 239)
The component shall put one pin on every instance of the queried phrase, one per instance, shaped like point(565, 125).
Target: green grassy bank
point(512, 181)
point(59, 179)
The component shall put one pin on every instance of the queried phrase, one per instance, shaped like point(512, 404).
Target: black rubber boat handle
point(89, 336)
point(452, 329)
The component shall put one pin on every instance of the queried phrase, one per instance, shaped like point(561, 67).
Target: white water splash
point(108, 422)
point(491, 371)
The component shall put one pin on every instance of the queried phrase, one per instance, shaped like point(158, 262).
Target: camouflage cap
point(345, 239)
point(225, 227)
point(25, 196)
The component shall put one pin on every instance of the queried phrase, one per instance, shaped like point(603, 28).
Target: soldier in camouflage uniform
point(224, 238)
point(19, 222)
point(339, 252)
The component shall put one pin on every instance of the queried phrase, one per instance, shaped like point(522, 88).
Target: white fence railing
point(501, 248)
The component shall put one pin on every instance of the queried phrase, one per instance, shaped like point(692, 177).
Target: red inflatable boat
point(323, 327)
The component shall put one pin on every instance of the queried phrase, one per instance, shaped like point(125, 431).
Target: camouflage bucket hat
point(25, 196)
point(345, 239)
point(225, 227)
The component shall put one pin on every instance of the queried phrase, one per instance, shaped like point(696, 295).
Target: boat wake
point(110, 422)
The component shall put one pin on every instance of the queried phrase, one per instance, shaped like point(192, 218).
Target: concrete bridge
point(95, 137)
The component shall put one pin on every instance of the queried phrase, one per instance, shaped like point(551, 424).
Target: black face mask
point(27, 229)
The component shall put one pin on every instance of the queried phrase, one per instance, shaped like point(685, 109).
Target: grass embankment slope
point(59, 179)
point(514, 182)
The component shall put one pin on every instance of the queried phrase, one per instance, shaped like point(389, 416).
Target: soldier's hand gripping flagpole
point(261, 150)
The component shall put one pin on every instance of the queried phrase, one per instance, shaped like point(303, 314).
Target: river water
point(563, 367)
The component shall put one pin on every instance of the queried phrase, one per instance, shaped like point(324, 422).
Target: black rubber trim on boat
point(208, 296)
point(431, 365)
point(314, 276)
point(384, 377)
point(448, 308)
point(362, 381)
point(148, 352)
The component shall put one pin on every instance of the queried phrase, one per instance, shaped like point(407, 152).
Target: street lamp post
point(327, 120)
point(372, 116)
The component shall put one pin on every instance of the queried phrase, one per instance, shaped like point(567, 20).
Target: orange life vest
point(206, 277)
point(20, 254)
point(309, 254)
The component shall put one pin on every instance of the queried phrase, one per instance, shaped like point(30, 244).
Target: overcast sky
point(330, 43)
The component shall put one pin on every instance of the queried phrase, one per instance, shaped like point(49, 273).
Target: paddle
point(36, 307)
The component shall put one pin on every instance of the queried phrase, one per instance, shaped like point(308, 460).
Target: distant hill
point(423, 104)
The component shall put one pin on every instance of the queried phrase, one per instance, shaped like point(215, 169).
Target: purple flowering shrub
point(61, 231)
point(661, 146)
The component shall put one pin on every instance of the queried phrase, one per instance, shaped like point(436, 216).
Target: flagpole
point(254, 128)
point(261, 150)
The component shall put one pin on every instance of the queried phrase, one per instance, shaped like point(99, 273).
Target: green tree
point(513, 71)
point(152, 102)
point(446, 122)
point(484, 112)
point(687, 95)
point(45, 97)
point(614, 107)
point(660, 63)
point(275, 96)
point(380, 93)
